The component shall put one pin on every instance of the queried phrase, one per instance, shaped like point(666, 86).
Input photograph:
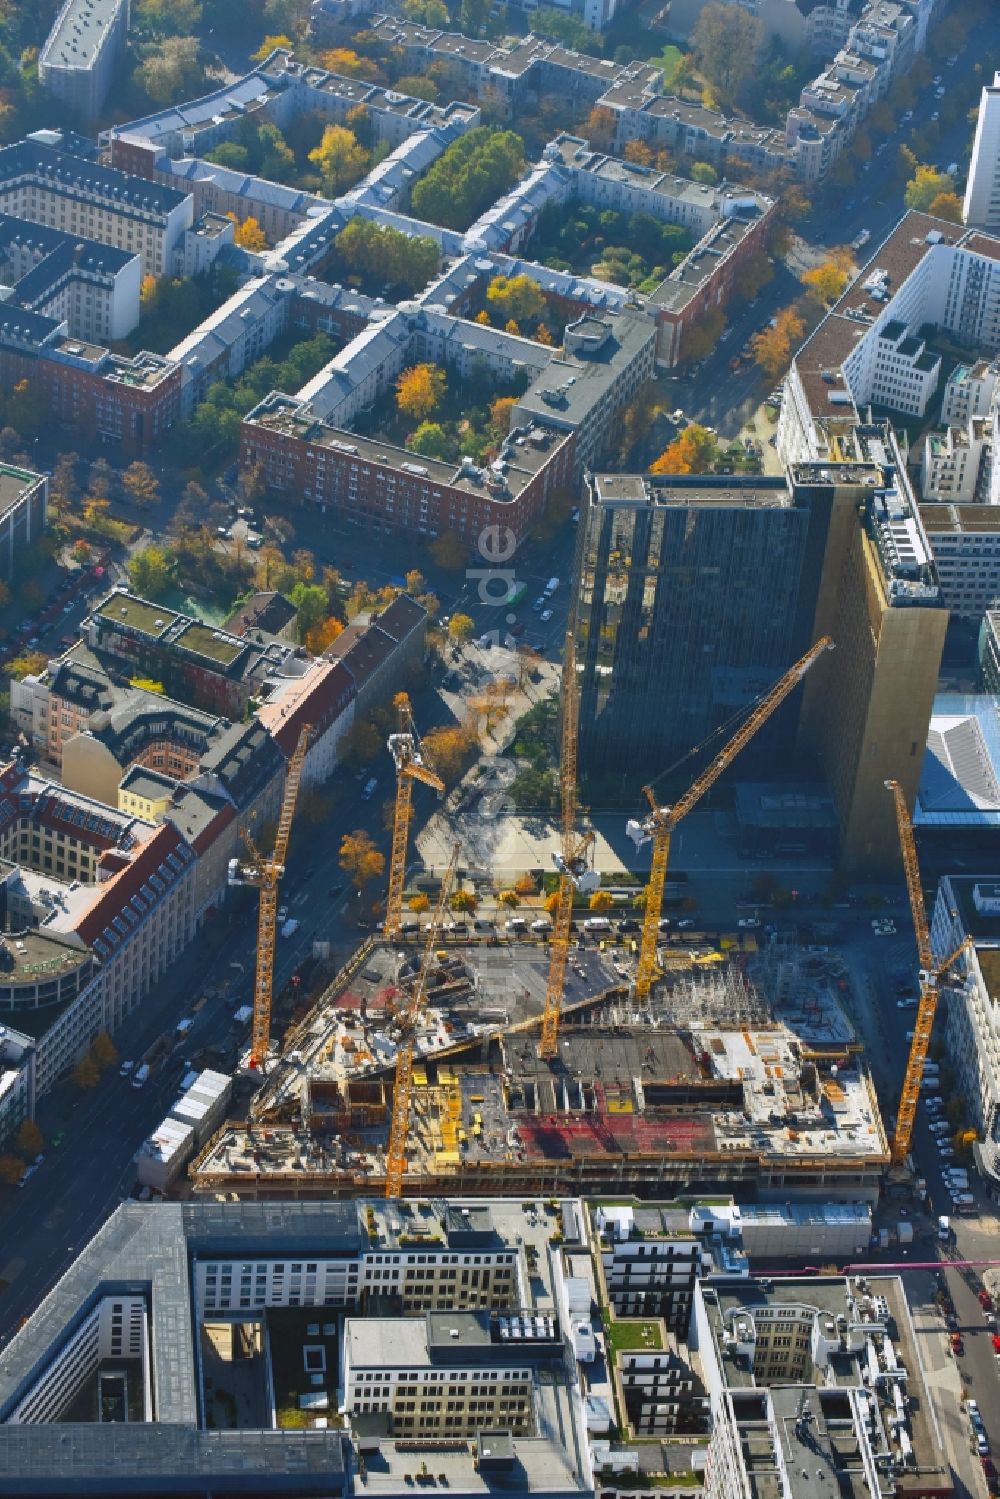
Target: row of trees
point(387, 255)
point(470, 175)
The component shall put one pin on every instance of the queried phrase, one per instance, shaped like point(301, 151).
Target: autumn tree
point(322, 636)
point(28, 665)
point(465, 901)
point(772, 349)
point(703, 335)
point(29, 1139)
point(526, 884)
point(419, 903)
point(272, 44)
point(449, 748)
point(104, 1051)
point(172, 71)
point(102, 479)
point(518, 297)
point(639, 153)
point(551, 902)
point(420, 390)
point(601, 901)
point(63, 487)
point(85, 1073)
point(827, 280)
point(948, 206)
point(248, 234)
point(461, 628)
point(926, 184)
point(449, 551)
point(361, 743)
point(339, 157)
point(360, 858)
point(600, 127)
point(348, 63)
point(509, 899)
point(11, 1169)
point(692, 451)
point(725, 43)
point(141, 483)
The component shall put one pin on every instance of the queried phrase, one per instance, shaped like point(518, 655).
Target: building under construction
point(739, 1069)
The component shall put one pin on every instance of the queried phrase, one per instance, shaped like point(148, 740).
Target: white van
point(543, 924)
point(370, 787)
point(141, 1076)
point(551, 587)
point(597, 924)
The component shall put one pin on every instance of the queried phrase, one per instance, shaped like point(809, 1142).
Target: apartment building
point(17, 1082)
point(80, 54)
point(875, 344)
point(80, 196)
point(24, 513)
point(91, 287)
point(205, 667)
point(969, 391)
point(981, 207)
point(956, 464)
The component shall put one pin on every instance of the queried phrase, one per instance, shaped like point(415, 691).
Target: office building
point(866, 706)
point(79, 56)
point(817, 1384)
point(165, 1297)
point(965, 540)
point(969, 906)
point(981, 207)
point(691, 600)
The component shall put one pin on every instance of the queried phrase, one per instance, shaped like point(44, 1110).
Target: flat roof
point(15, 484)
point(79, 33)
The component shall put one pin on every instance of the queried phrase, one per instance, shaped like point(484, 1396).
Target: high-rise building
point(690, 601)
point(866, 707)
point(695, 594)
point(982, 191)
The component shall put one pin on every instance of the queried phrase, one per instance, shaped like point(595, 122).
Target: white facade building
point(982, 191)
point(965, 540)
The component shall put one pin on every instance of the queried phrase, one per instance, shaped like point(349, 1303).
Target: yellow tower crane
point(931, 974)
point(265, 873)
point(411, 765)
point(407, 1018)
point(659, 825)
point(571, 862)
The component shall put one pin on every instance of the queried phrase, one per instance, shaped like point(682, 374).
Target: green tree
point(469, 175)
point(703, 171)
point(173, 70)
point(560, 26)
point(449, 551)
point(464, 901)
point(166, 17)
point(311, 602)
point(387, 254)
point(230, 154)
point(430, 440)
point(150, 570)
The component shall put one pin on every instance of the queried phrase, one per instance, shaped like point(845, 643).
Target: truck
point(551, 587)
point(944, 1228)
point(290, 927)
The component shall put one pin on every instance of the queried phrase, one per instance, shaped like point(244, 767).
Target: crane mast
point(411, 765)
point(265, 873)
point(930, 977)
point(660, 822)
point(571, 862)
point(407, 1018)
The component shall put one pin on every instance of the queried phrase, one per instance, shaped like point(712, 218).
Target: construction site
point(571, 1059)
point(744, 1070)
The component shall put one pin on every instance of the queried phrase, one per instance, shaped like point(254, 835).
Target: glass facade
point(687, 609)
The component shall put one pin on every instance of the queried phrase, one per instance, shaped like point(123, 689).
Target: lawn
point(623, 1337)
point(667, 59)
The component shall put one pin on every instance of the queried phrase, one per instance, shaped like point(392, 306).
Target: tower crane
point(930, 976)
point(265, 873)
point(660, 822)
point(407, 1017)
point(411, 765)
point(571, 861)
